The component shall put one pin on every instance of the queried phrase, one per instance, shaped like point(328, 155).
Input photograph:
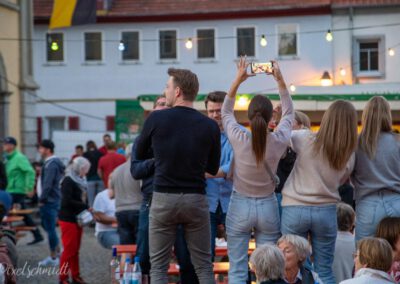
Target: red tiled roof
point(161, 9)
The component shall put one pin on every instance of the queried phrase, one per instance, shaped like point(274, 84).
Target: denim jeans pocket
point(365, 212)
point(238, 210)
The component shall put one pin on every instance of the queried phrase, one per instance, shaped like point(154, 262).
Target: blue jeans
point(371, 209)
point(216, 219)
point(94, 187)
point(143, 238)
point(321, 223)
point(48, 214)
point(128, 226)
point(279, 198)
point(108, 238)
point(244, 214)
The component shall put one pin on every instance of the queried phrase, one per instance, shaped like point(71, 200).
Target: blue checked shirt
point(220, 189)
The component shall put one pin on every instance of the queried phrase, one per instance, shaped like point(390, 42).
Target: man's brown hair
point(187, 81)
point(111, 145)
point(215, 97)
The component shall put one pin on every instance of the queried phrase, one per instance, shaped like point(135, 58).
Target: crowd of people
point(322, 207)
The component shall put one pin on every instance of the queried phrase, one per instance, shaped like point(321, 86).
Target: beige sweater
point(312, 181)
point(248, 179)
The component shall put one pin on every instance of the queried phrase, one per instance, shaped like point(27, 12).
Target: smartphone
point(258, 68)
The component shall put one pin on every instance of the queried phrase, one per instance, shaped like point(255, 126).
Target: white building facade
point(82, 70)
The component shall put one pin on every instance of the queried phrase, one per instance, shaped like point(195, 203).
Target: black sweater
point(71, 201)
point(186, 144)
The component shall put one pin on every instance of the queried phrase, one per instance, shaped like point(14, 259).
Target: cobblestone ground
point(94, 260)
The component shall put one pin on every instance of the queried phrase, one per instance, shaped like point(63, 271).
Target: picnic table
point(12, 219)
point(20, 211)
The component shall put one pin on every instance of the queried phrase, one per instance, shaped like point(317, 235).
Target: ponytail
point(259, 128)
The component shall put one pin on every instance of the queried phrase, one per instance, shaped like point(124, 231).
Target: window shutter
point(73, 122)
point(110, 121)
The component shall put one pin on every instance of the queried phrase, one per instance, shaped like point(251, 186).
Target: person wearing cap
point(21, 180)
point(49, 194)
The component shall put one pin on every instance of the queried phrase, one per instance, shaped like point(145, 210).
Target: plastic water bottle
point(127, 278)
point(137, 272)
point(114, 266)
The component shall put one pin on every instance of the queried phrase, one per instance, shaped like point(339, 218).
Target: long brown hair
point(259, 113)
point(376, 118)
point(336, 139)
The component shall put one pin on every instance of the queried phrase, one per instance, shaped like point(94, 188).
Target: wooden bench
point(24, 228)
point(218, 268)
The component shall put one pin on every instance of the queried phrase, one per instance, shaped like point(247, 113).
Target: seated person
point(372, 260)
point(104, 215)
point(389, 229)
point(268, 264)
point(343, 262)
point(6, 201)
point(296, 250)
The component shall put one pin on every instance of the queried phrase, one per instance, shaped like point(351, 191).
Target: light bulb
point(54, 46)
point(292, 88)
point(243, 102)
point(121, 46)
point(342, 72)
point(189, 43)
point(329, 36)
point(391, 52)
point(263, 41)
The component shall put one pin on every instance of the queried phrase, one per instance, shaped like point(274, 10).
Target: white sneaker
point(49, 261)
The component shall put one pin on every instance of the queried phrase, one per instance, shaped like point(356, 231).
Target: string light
point(329, 36)
point(121, 46)
point(292, 88)
point(189, 43)
point(263, 41)
point(54, 46)
point(342, 72)
point(391, 52)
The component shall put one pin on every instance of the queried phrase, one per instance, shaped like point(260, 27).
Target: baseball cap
point(10, 140)
point(48, 144)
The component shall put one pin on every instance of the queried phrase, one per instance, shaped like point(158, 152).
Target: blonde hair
point(336, 139)
point(376, 118)
point(302, 119)
point(375, 253)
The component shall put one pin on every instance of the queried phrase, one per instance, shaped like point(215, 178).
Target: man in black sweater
point(186, 145)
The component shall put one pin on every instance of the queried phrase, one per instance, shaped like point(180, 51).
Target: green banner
point(129, 118)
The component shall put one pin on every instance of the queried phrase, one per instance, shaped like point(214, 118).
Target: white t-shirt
point(103, 203)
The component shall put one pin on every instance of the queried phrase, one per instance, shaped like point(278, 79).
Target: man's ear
point(178, 92)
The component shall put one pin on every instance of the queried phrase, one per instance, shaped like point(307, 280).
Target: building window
point(55, 123)
point(168, 45)
point(55, 47)
point(369, 56)
point(206, 43)
point(93, 46)
point(131, 45)
point(369, 59)
point(246, 42)
point(287, 40)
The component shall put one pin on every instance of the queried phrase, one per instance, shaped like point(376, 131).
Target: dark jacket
point(5, 260)
point(285, 167)
point(72, 202)
point(143, 170)
point(3, 176)
point(52, 173)
point(93, 156)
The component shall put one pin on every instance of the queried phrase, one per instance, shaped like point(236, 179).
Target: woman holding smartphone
point(253, 203)
point(324, 161)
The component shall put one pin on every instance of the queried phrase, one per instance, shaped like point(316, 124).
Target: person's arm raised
point(241, 76)
point(284, 128)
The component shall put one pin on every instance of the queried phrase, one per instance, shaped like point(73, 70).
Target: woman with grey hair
point(73, 202)
point(268, 264)
point(295, 250)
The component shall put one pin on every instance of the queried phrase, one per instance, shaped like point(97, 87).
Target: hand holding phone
point(258, 68)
